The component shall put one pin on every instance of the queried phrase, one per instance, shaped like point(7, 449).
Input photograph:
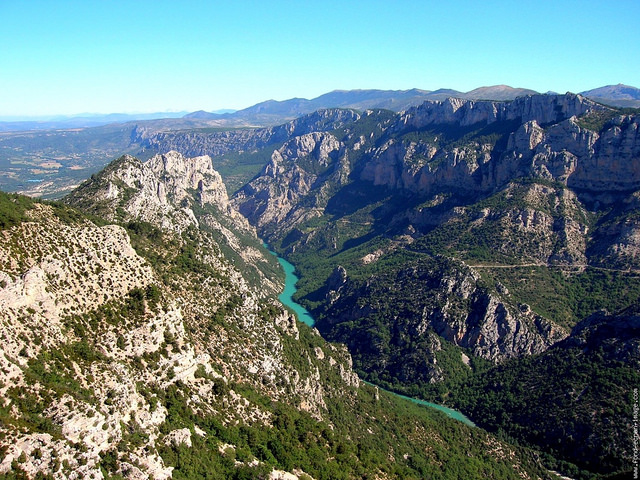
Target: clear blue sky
point(66, 57)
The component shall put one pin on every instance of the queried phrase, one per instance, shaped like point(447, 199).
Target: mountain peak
point(161, 190)
point(619, 95)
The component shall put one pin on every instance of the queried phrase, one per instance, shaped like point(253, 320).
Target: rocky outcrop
point(614, 163)
point(617, 336)
point(438, 296)
point(455, 147)
point(335, 283)
point(542, 108)
point(292, 186)
point(161, 190)
point(176, 193)
point(546, 141)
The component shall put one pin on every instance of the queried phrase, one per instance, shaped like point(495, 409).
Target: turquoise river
point(286, 297)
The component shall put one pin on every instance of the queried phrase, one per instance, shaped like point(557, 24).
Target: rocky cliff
point(194, 143)
point(462, 147)
point(175, 193)
point(540, 182)
point(538, 136)
point(441, 296)
point(304, 166)
point(157, 191)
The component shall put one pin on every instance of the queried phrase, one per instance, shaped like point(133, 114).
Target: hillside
point(458, 234)
point(136, 344)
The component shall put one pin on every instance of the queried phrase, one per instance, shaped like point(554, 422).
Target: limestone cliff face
point(174, 193)
point(614, 163)
point(547, 142)
point(492, 327)
point(292, 186)
point(93, 336)
point(220, 143)
point(442, 297)
point(542, 108)
point(159, 191)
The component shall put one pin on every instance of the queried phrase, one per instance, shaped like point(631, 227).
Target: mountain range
point(273, 112)
point(475, 253)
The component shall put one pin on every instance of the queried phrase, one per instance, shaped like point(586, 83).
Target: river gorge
point(286, 297)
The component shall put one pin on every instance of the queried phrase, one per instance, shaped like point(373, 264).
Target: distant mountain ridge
point(83, 120)
point(395, 100)
point(616, 95)
point(274, 111)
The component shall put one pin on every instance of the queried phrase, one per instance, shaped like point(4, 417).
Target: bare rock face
point(336, 281)
point(295, 169)
point(542, 108)
point(158, 191)
point(418, 153)
point(423, 167)
point(182, 174)
point(613, 165)
point(561, 150)
point(494, 329)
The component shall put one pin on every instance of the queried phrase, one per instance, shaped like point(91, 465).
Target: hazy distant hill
point(274, 111)
point(83, 120)
point(497, 92)
point(201, 114)
point(617, 95)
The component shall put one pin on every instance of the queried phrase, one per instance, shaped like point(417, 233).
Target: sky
point(100, 56)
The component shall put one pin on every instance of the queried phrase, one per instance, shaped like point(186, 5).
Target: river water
point(286, 297)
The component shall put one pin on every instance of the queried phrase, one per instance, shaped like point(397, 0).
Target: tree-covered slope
point(576, 400)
